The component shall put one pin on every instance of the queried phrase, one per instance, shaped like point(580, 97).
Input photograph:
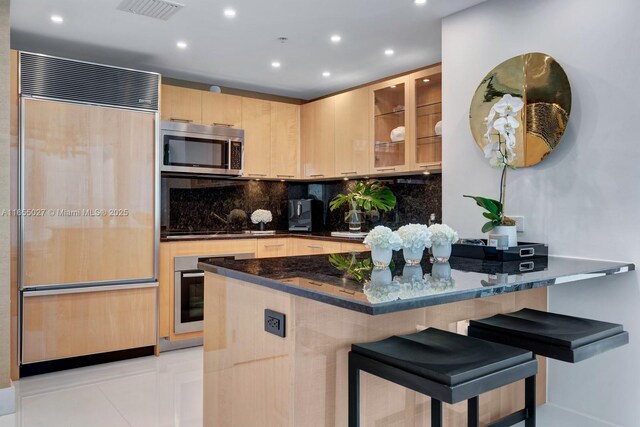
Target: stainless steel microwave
point(201, 150)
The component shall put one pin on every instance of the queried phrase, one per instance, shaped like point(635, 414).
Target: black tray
point(524, 251)
point(487, 266)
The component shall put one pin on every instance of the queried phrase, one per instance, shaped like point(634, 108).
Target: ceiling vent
point(158, 9)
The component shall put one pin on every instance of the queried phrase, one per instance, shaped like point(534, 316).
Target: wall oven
point(189, 291)
point(201, 150)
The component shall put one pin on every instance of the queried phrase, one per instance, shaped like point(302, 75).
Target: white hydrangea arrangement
point(261, 215)
point(382, 237)
point(442, 234)
point(377, 293)
point(415, 236)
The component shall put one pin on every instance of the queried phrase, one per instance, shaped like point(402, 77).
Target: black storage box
point(486, 266)
point(523, 251)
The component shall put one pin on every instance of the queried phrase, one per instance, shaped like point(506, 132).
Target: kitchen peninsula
point(297, 375)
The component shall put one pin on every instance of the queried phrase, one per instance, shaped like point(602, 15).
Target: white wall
point(584, 200)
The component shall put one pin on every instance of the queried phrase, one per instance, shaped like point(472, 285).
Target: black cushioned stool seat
point(567, 338)
point(446, 366)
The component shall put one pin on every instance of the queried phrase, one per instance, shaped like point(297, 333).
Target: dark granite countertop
point(348, 281)
point(324, 235)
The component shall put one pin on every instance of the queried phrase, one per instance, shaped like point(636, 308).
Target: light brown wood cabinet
point(83, 323)
point(427, 95)
point(256, 122)
point(313, 247)
point(285, 140)
point(352, 133)
point(353, 247)
point(270, 248)
point(180, 104)
point(318, 138)
point(221, 109)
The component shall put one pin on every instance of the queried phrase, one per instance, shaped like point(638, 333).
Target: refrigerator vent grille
point(65, 79)
point(158, 9)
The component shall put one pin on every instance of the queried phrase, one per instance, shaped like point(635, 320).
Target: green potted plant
point(364, 195)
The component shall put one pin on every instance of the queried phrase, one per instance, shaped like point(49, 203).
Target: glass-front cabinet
point(427, 94)
point(391, 133)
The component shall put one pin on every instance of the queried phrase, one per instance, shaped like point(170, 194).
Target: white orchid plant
point(383, 237)
point(415, 236)
point(442, 234)
point(261, 215)
point(502, 123)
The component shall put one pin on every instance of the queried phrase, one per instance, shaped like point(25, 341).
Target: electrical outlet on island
point(519, 222)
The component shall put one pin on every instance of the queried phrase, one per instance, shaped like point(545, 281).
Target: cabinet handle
point(257, 174)
point(349, 173)
point(348, 292)
point(386, 169)
point(314, 247)
point(274, 246)
point(315, 283)
point(285, 176)
point(428, 164)
point(222, 124)
point(316, 175)
point(87, 289)
point(178, 119)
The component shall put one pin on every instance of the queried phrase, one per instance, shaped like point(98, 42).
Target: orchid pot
point(507, 230)
point(441, 251)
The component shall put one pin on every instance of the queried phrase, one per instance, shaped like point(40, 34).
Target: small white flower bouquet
point(441, 234)
point(415, 236)
point(382, 237)
point(261, 215)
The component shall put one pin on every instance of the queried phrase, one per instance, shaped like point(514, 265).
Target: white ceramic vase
point(381, 257)
point(412, 256)
point(411, 273)
point(381, 277)
point(507, 230)
point(441, 270)
point(441, 252)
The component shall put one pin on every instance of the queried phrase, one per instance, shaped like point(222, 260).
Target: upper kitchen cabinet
point(427, 85)
point(391, 130)
point(256, 122)
point(318, 138)
point(352, 133)
point(180, 104)
point(221, 109)
point(285, 140)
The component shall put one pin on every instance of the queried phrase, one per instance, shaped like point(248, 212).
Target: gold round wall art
point(544, 88)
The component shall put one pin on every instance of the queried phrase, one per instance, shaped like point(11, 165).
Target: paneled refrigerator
point(88, 204)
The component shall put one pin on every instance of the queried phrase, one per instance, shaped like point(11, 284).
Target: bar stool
point(445, 366)
point(567, 338)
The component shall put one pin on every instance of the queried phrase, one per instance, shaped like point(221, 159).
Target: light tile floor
point(149, 392)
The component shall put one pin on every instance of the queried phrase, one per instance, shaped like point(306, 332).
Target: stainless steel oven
point(201, 150)
point(189, 291)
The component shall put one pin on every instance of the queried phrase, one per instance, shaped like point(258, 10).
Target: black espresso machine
point(305, 214)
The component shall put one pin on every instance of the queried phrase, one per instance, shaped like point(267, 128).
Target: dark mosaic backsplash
point(194, 204)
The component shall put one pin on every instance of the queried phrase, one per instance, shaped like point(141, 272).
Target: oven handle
point(193, 275)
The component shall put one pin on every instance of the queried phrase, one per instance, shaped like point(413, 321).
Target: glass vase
point(354, 218)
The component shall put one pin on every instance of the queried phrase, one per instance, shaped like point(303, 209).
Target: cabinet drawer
point(353, 247)
point(270, 248)
point(314, 247)
point(58, 326)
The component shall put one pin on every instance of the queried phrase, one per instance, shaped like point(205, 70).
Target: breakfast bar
point(277, 332)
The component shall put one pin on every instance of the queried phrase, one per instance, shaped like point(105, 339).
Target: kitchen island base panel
point(252, 377)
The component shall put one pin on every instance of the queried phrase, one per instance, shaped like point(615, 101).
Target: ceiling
point(238, 52)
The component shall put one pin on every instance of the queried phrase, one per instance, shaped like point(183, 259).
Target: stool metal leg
point(354, 394)
point(473, 412)
point(530, 401)
point(436, 413)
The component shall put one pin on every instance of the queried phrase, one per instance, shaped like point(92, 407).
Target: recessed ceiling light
point(389, 52)
point(426, 80)
point(420, 1)
point(426, 173)
point(345, 178)
point(275, 64)
point(182, 45)
point(57, 19)
point(392, 86)
point(326, 74)
point(229, 13)
point(336, 38)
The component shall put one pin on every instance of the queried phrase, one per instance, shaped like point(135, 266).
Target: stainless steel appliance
point(305, 214)
point(201, 150)
point(89, 174)
point(189, 290)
